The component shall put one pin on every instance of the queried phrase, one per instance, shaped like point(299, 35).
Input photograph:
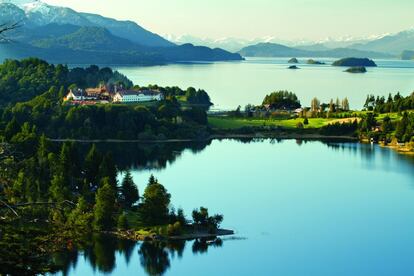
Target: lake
point(230, 84)
point(298, 208)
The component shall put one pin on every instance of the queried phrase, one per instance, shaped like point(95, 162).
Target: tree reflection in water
point(154, 257)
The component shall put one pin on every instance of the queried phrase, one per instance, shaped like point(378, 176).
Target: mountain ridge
point(278, 50)
point(89, 36)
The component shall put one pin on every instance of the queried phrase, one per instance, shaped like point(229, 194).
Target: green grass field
point(234, 123)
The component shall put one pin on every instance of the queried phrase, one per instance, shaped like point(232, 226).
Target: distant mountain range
point(381, 46)
point(278, 50)
point(393, 44)
point(60, 34)
point(229, 44)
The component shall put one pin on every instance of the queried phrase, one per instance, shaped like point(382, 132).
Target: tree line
point(396, 103)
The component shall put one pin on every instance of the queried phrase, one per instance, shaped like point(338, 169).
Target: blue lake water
point(238, 83)
point(298, 208)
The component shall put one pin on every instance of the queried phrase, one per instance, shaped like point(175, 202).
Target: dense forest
point(37, 89)
point(22, 80)
point(54, 193)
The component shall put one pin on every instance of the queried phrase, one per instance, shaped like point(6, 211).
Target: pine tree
point(12, 128)
point(58, 189)
point(43, 168)
point(129, 191)
point(332, 108)
point(152, 180)
point(81, 217)
point(337, 104)
point(315, 103)
point(402, 127)
point(68, 165)
point(18, 188)
point(154, 208)
point(108, 169)
point(345, 104)
point(104, 208)
point(92, 163)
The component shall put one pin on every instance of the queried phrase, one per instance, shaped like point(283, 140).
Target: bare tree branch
point(9, 207)
point(67, 202)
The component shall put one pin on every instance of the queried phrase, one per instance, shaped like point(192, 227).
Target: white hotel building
point(133, 96)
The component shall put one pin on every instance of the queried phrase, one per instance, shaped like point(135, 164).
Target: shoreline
point(214, 137)
point(133, 236)
point(403, 149)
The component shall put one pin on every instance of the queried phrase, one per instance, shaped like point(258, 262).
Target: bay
point(298, 208)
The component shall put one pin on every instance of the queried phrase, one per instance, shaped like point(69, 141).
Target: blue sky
point(285, 19)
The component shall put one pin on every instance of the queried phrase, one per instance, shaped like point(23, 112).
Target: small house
point(80, 95)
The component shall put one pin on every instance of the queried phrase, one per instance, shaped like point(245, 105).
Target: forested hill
point(78, 38)
point(31, 94)
point(278, 50)
point(23, 80)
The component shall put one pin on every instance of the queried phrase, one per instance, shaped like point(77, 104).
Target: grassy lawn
point(234, 123)
point(394, 116)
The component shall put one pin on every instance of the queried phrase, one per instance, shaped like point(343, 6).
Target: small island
point(315, 62)
point(356, 70)
point(293, 60)
point(293, 67)
point(354, 62)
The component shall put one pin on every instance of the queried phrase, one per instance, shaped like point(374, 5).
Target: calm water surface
point(298, 208)
point(232, 83)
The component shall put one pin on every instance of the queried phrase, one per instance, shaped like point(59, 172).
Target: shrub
point(174, 229)
point(299, 125)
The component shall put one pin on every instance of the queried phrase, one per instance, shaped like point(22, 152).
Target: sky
point(249, 19)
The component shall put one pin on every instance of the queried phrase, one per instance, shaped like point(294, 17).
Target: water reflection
point(100, 252)
point(154, 258)
point(146, 156)
point(369, 180)
point(139, 157)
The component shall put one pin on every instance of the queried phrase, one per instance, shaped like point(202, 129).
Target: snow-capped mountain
point(392, 43)
point(63, 35)
point(35, 13)
point(228, 43)
point(235, 44)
